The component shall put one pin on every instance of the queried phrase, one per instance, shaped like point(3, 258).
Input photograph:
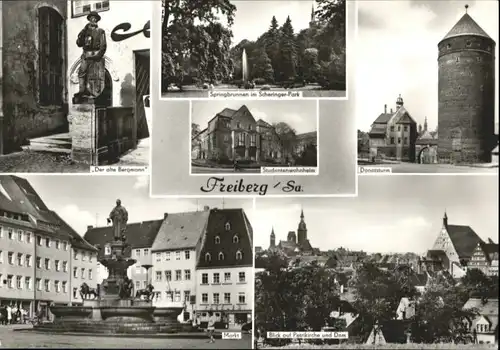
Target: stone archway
point(421, 154)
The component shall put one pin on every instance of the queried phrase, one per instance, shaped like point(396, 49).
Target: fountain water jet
point(244, 66)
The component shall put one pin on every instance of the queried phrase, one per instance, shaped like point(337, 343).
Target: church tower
point(302, 230)
point(312, 22)
point(466, 94)
point(272, 239)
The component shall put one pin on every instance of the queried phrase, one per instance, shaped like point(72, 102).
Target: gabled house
point(485, 324)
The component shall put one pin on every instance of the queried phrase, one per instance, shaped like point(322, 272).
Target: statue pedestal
point(82, 120)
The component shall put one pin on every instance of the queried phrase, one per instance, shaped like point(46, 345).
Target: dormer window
point(217, 240)
point(221, 256)
point(236, 239)
point(239, 256)
point(228, 226)
point(208, 257)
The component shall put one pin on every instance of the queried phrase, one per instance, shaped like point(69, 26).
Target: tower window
point(448, 46)
point(468, 44)
point(208, 257)
point(239, 256)
point(236, 239)
point(221, 256)
point(228, 226)
point(217, 240)
point(457, 59)
point(479, 59)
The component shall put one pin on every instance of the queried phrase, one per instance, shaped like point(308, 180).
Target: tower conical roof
point(466, 26)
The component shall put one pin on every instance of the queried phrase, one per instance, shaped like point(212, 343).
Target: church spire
point(313, 16)
point(425, 124)
point(272, 238)
point(445, 219)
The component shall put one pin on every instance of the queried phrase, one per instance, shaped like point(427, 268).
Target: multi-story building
point(393, 134)
point(294, 245)
point(485, 258)
point(35, 250)
point(140, 236)
point(466, 94)
point(235, 134)
point(224, 268)
point(175, 252)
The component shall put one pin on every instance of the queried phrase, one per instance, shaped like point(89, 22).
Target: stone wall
point(23, 116)
point(466, 118)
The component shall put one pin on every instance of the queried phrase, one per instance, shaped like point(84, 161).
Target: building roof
point(464, 239)
point(487, 308)
point(227, 112)
point(261, 122)
point(490, 250)
point(76, 240)
point(466, 26)
point(383, 118)
point(378, 129)
point(307, 135)
point(216, 227)
point(139, 235)
point(436, 253)
point(181, 230)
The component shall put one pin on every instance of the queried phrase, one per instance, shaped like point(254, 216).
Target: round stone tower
point(466, 115)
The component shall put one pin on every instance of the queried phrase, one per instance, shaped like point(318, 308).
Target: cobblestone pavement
point(18, 339)
point(37, 162)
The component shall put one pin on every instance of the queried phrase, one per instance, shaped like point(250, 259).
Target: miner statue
point(118, 217)
point(91, 73)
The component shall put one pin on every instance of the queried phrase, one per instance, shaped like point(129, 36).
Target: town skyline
point(300, 115)
point(408, 218)
point(81, 200)
point(401, 40)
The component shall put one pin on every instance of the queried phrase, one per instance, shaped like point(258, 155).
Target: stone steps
point(109, 327)
point(58, 143)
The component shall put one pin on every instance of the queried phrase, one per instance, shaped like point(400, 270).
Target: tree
point(262, 68)
point(308, 157)
point(478, 285)
point(310, 66)
point(288, 137)
point(288, 56)
point(195, 129)
point(194, 42)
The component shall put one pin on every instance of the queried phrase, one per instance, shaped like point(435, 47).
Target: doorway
point(142, 81)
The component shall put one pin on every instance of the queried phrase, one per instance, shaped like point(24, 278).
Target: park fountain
point(244, 66)
point(114, 310)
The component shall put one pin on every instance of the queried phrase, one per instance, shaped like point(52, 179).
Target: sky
point(301, 115)
point(397, 53)
point(253, 18)
point(87, 200)
point(391, 214)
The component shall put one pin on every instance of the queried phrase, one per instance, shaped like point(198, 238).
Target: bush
point(260, 81)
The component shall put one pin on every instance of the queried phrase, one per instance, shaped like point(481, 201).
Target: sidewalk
point(136, 157)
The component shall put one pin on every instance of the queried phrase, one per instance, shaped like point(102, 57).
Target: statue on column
point(91, 73)
point(119, 218)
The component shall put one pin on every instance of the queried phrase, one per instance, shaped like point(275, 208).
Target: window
point(236, 239)
point(208, 257)
point(479, 58)
point(9, 281)
point(27, 283)
point(167, 256)
point(20, 236)
point(187, 275)
point(84, 7)
point(144, 284)
point(238, 125)
point(65, 287)
point(204, 298)
point(227, 298)
point(137, 252)
point(84, 256)
point(47, 242)
point(11, 258)
point(47, 264)
point(137, 284)
point(392, 128)
point(241, 277)
point(65, 266)
point(158, 257)
point(19, 282)
point(1, 256)
point(228, 226)
point(216, 278)
point(90, 257)
point(227, 277)
point(405, 140)
point(178, 275)
point(10, 233)
point(178, 255)
point(399, 140)
point(217, 240)
point(46, 285)
point(28, 260)
point(392, 140)
point(39, 284)
point(216, 298)
point(58, 244)
point(146, 252)
point(204, 278)
point(241, 298)
point(75, 272)
point(158, 276)
point(39, 240)
point(65, 245)
point(405, 128)
point(253, 140)
point(457, 59)
point(90, 274)
point(82, 272)
point(239, 256)
point(28, 237)
point(168, 275)
point(57, 286)
point(177, 296)
point(39, 262)
point(57, 265)
point(221, 256)
point(75, 254)
point(19, 259)
point(187, 296)
point(187, 255)
point(170, 296)
point(75, 293)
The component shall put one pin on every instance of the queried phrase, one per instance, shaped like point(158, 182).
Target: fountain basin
point(127, 313)
point(77, 312)
point(167, 314)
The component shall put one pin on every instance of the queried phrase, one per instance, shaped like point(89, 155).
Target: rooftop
point(466, 26)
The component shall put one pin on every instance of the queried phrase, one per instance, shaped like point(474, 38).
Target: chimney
point(385, 109)
point(165, 215)
point(90, 227)
point(206, 208)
